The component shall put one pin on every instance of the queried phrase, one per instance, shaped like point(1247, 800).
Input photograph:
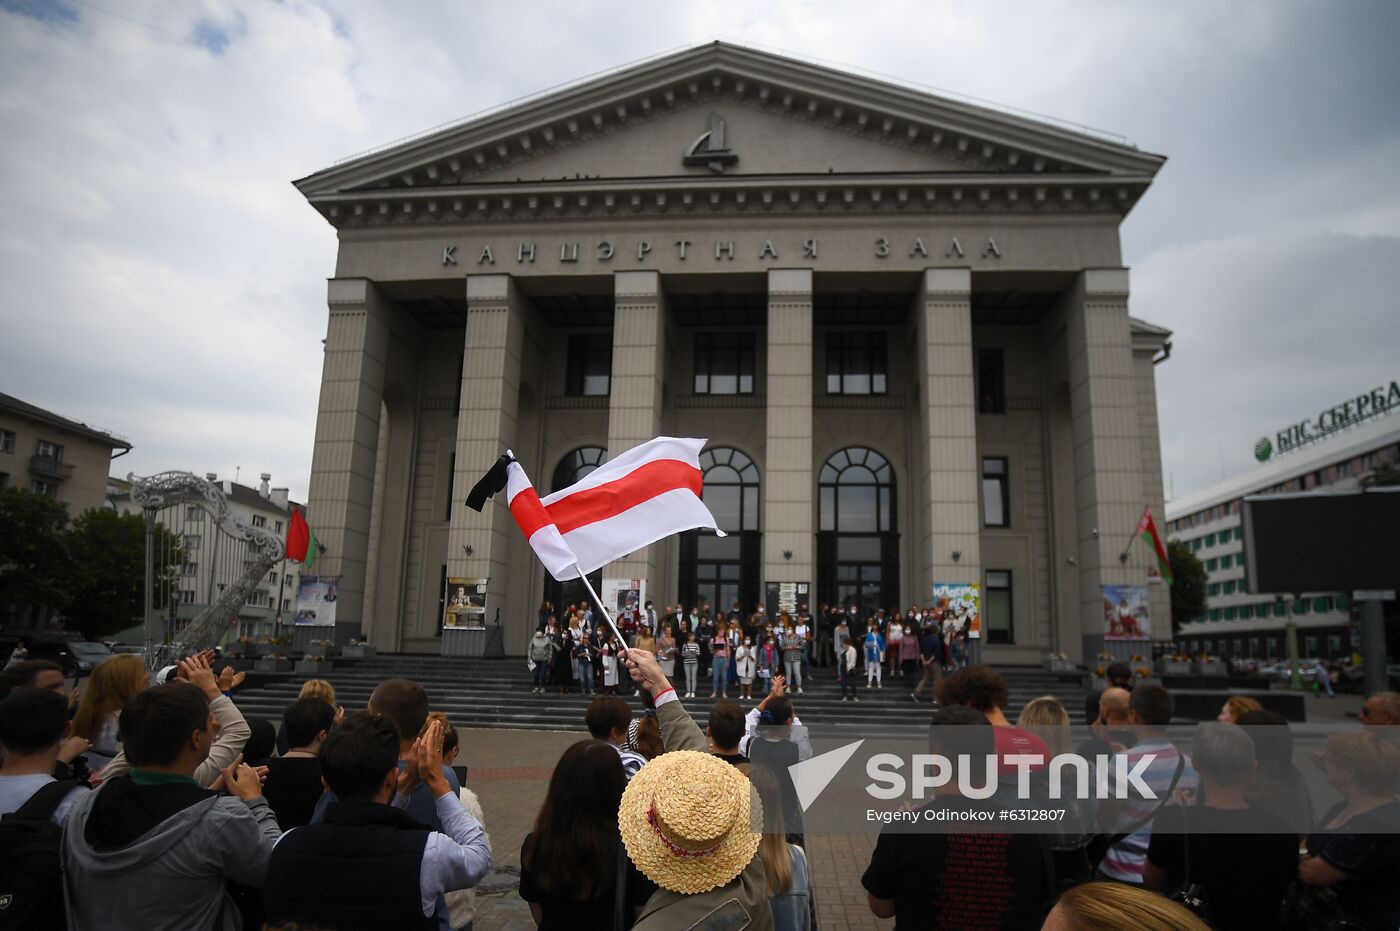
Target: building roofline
point(1345, 445)
point(14, 405)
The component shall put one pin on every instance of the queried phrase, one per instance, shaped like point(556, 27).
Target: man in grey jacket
point(152, 848)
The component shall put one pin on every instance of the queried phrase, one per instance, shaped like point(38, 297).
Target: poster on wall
point(624, 599)
point(1125, 613)
point(785, 597)
point(960, 603)
point(316, 596)
point(465, 603)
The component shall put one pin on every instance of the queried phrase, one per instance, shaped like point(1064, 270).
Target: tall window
point(998, 612)
point(855, 363)
point(857, 546)
point(724, 363)
point(724, 570)
point(576, 465)
point(46, 450)
point(996, 509)
point(43, 489)
point(991, 381)
point(590, 363)
point(7, 441)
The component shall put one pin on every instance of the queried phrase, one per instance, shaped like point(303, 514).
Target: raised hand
point(429, 755)
point(408, 776)
point(196, 670)
point(72, 748)
point(230, 680)
point(645, 671)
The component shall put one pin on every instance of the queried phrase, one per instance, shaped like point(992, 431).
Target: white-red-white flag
point(649, 492)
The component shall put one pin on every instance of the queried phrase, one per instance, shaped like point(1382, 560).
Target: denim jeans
point(794, 671)
point(541, 674)
point(585, 675)
point(690, 670)
point(719, 675)
point(847, 682)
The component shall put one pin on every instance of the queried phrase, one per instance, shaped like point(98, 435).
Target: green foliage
point(1383, 475)
point(34, 560)
point(109, 569)
point(1188, 588)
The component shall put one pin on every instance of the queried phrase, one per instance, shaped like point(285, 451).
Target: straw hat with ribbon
point(690, 821)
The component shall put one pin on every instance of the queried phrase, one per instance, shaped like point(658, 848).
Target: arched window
point(570, 469)
point(857, 542)
point(576, 465)
point(720, 571)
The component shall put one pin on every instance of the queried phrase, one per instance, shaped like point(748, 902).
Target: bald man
point(1112, 726)
point(1381, 709)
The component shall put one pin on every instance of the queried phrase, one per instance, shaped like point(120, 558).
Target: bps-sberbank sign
point(1379, 400)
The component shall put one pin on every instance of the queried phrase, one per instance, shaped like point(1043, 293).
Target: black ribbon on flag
point(489, 484)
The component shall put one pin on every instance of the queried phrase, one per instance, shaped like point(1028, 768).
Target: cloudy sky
point(160, 277)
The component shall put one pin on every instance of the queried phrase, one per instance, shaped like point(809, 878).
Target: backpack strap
point(43, 803)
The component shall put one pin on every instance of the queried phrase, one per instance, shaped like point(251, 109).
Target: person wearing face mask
point(746, 662)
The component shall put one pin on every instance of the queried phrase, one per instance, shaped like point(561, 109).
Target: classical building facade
point(901, 321)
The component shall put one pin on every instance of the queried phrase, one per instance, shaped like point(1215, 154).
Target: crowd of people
point(739, 654)
point(171, 810)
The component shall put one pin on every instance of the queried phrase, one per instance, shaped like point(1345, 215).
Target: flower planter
point(1216, 668)
point(268, 664)
point(1173, 667)
point(362, 651)
point(313, 667)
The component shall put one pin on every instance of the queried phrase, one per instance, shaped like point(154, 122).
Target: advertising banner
point(316, 598)
point(624, 598)
point(464, 604)
point(959, 601)
point(1125, 613)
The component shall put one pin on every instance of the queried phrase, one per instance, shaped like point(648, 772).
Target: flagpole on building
point(602, 607)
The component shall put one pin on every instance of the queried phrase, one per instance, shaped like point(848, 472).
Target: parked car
point(77, 657)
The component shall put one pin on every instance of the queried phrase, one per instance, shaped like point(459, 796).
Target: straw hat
point(687, 819)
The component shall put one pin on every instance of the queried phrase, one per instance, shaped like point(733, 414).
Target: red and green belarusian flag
point(1148, 530)
point(301, 542)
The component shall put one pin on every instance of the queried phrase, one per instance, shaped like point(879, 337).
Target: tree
point(109, 571)
point(1188, 589)
point(1383, 475)
point(35, 565)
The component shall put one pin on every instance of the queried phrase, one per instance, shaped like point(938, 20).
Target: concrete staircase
point(497, 693)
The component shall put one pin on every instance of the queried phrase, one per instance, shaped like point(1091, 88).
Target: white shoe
point(855, 698)
point(799, 690)
point(879, 684)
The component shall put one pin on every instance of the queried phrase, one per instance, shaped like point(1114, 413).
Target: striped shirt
point(690, 654)
point(1125, 859)
point(631, 760)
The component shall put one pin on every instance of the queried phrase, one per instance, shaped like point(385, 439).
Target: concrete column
point(635, 396)
point(948, 477)
point(789, 493)
point(1108, 458)
point(347, 440)
point(490, 393)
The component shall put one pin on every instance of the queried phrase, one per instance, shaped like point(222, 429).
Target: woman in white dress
point(746, 660)
point(609, 656)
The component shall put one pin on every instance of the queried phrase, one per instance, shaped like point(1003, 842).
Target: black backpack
point(31, 881)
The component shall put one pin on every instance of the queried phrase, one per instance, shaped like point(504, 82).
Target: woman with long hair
point(785, 864)
point(113, 683)
point(570, 862)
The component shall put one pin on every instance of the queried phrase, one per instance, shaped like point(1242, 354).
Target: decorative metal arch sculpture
point(171, 489)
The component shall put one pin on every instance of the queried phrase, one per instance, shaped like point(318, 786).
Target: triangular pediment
point(776, 118)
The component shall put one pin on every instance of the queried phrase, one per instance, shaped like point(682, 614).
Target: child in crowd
point(874, 654)
point(690, 659)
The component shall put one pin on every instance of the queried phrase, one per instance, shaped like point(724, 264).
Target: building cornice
point(1041, 161)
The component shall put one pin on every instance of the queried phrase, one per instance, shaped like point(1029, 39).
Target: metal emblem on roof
point(709, 149)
